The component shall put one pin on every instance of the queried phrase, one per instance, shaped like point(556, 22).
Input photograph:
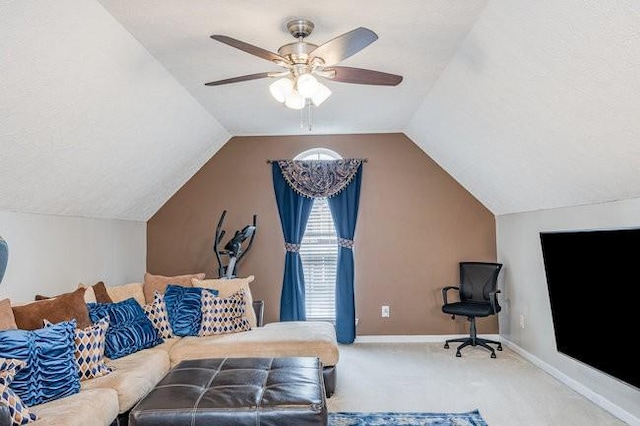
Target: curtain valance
point(319, 178)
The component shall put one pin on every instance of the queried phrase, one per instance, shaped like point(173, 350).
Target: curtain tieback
point(294, 248)
point(345, 242)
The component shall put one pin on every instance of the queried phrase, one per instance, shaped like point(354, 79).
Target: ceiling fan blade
point(239, 79)
point(363, 76)
point(250, 48)
point(343, 46)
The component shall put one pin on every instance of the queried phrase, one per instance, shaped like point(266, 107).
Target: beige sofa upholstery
point(91, 407)
point(272, 340)
point(101, 400)
point(133, 376)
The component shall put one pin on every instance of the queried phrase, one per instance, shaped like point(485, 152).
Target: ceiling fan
point(303, 62)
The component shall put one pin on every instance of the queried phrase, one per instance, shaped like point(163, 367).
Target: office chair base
point(468, 341)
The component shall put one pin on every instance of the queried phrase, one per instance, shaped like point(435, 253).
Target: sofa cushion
point(159, 283)
point(129, 328)
point(291, 338)
point(184, 306)
point(91, 407)
point(63, 307)
point(227, 287)
point(7, 320)
point(123, 292)
point(19, 411)
point(133, 376)
point(223, 314)
point(157, 313)
point(51, 371)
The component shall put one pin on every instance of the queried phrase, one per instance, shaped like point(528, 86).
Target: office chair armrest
point(445, 290)
point(493, 298)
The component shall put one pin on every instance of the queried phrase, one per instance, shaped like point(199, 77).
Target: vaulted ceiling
point(104, 112)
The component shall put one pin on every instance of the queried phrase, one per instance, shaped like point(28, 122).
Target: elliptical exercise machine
point(234, 248)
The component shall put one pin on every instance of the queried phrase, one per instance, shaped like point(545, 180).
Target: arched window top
point(318, 154)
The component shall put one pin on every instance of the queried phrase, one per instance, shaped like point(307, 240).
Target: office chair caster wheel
point(458, 354)
point(446, 345)
point(493, 354)
point(500, 347)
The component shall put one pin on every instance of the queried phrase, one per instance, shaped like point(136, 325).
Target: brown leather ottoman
point(237, 391)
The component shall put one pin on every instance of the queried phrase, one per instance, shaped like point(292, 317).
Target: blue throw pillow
point(129, 328)
point(184, 308)
point(51, 371)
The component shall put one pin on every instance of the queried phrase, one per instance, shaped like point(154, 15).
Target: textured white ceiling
point(529, 105)
point(416, 40)
point(539, 108)
point(90, 123)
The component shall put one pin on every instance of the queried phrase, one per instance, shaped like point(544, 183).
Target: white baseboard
point(575, 385)
point(418, 338)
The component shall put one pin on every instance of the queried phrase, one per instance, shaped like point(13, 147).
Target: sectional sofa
point(107, 400)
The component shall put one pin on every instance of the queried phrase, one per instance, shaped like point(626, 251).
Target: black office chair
point(478, 298)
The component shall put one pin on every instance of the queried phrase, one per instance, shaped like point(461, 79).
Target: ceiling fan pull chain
point(305, 122)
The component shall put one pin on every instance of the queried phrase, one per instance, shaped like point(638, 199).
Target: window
point(319, 252)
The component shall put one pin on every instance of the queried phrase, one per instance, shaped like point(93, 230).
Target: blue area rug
point(472, 418)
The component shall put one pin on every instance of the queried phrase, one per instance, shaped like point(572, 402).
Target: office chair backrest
point(477, 280)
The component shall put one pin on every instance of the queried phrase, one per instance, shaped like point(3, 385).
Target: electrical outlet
point(385, 311)
point(522, 321)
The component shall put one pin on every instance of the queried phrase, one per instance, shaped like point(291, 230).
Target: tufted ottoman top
point(237, 391)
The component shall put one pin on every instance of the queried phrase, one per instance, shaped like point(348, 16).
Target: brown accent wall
point(415, 224)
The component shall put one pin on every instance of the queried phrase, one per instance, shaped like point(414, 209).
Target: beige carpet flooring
point(507, 391)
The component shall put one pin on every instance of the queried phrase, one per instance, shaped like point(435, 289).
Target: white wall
point(525, 293)
point(53, 254)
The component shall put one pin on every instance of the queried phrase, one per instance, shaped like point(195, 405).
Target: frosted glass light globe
point(281, 89)
point(321, 94)
point(307, 85)
point(295, 101)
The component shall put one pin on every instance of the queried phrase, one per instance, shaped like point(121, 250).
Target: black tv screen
point(593, 279)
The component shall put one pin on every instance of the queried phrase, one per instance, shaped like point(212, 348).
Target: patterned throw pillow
point(19, 412)
point(223, 315)
point(129, 328)
point(90, 346)
point(157, 314)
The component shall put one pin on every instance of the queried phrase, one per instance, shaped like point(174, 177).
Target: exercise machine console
point(235, 249)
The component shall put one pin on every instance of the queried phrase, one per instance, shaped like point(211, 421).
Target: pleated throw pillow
point(51, 371)
point(184, 308)
point(223, 315)
point(19, 412)
point(129, 328)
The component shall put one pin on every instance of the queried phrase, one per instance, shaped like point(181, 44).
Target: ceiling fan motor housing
point(300, 27)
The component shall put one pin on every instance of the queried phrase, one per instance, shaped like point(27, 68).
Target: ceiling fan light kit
point(298, 85)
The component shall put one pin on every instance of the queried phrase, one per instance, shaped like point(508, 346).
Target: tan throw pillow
point(63, 307)
point(89, 295)
point(7, 320)
point(159, 283)
point(120, 293)
point(227, 287)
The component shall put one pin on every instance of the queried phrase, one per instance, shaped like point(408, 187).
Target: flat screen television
point(593, 279)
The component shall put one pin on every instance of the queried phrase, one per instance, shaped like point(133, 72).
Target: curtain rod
point(364, 160)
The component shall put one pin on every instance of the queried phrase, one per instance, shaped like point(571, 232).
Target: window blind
point(319, 254)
